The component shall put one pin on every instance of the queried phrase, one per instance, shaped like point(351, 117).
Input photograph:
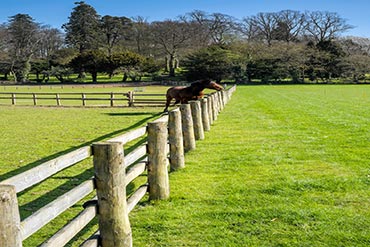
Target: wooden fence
point(111, 99)
point(168, 138)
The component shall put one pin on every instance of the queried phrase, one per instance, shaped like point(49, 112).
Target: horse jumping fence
point(168, 138)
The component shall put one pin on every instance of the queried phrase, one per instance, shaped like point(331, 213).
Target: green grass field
point(282, 166)
point(33, 135)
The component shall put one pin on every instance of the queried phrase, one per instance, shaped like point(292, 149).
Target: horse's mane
point(198, 86)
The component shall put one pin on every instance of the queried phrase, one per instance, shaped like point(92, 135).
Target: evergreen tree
point(83, 28)
point(23, 32)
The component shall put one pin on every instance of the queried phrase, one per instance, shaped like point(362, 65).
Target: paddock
point(110, 166)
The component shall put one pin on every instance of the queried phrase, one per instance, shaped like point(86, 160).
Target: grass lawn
point(282, 166)
point(32, 135)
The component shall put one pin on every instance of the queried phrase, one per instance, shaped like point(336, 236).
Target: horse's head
point(212, 85)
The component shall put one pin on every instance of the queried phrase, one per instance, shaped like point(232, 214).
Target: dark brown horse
point(183, 94)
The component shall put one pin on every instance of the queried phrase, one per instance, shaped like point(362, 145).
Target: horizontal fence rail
point(111, 99)
point(167, 139)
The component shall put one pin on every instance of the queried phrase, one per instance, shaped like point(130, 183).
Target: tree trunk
point(94, 76)
point(124, 78)
point(171, 65)
point(166, 64)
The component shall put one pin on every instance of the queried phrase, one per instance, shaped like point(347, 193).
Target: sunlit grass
point(32, 135)
point(282, 166)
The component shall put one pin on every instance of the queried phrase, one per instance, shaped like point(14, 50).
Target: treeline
point(286, 45)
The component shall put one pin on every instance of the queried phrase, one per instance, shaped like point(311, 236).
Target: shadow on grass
point(98, 139)
point(28, 208)
point(120, 114)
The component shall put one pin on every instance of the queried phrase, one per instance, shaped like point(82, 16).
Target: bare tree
point(322, 26)
point(266, 24)
point(51, 40)
point(115, 29)
point(248, 28)
point(290, 25)
point(217, 28)
point(172, 36)
point(141, 36)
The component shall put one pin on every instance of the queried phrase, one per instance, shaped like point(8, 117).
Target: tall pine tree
point(82, 30)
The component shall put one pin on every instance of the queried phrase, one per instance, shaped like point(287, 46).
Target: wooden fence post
point(205, 115)
point(196, 113)
point(111, 99)
point(83, 96)
point(57, 97)
point(176, 141)
point(217, 100)
point(110, 179)
point(13, 99)
point(224, 99)
point(214, 107)
point(210, 109)
point(10, 229)
point(159, 188)
point(130, 96)
point(34, 96)
point(221, 100)
point(187, 127)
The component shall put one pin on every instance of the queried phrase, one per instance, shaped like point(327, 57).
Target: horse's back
point(173, 91)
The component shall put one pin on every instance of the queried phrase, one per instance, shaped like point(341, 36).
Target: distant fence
point(111, 99)
point(168, 138)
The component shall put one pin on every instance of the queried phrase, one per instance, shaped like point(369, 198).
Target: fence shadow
point(98, 139)
point(28, 208)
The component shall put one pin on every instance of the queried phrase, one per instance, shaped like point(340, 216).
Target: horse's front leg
point(168, 102)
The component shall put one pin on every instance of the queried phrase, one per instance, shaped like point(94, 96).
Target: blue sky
point(56, 12)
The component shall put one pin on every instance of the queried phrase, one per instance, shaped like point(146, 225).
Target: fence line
point(112, 99)
point(166, 135)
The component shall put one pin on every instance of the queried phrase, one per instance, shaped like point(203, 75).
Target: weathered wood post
point(187, 127)
point(217, 100)
point(205, 114)
point(13, 99)
point(210, 107)
point(214, 107)
point(10, 229)
point(130, 96)
point(197, 119)
point(176, 141)
point(34, 97)
point(83, 97)
point(109, 168)
point(159, 188)
point(57, 97)
point(111, 99)
point(221, 101)
point(224, 98)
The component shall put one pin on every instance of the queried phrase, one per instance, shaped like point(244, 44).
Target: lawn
point(282, 166)
point(32, 135)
